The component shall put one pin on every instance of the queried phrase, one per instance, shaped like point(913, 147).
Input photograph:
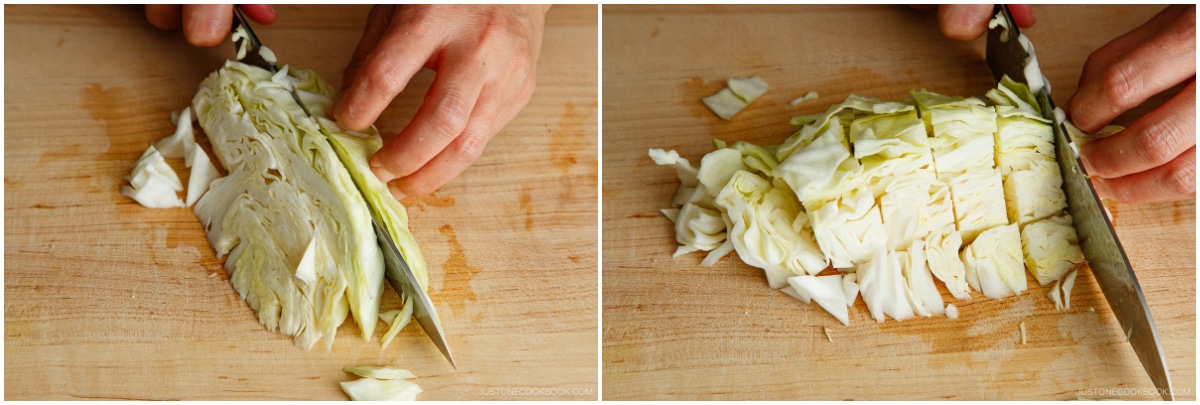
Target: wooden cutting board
point(675, 330)
point(106, 299)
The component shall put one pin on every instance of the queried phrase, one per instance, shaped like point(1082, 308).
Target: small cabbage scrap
point(922, 294)
point(396, 320)
point(381, 384)
point(381, 372)
point(739, 94)
point(881, 283)
point(152, 183)
point(993, 262)
point(826, 291)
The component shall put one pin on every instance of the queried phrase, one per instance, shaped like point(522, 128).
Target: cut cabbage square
point(993, 262)
point(818, 172)
point(1051, 248)
point(978, 202)
point(1021, 139)
point(1034, 194)
point(913, 206)
point(764, 229)
point(849, 229)
point(955, 156)
point(941, 252)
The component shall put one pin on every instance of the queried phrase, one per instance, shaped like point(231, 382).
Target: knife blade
point(1105, 256)
point(396, 270)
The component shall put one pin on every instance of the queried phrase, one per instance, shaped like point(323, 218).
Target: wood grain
point(675, 330)
point(105, 299)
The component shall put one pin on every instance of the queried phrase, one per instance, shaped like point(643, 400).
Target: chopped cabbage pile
point(289, 214)
point(893, 194)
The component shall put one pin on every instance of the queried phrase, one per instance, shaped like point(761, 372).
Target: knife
point(397, 272)
point(1007, 56)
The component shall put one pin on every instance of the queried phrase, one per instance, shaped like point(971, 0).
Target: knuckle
point(1180, 179)
point(1121, 83)
point(1160, 142)
point(469, 148)
point(382, 74)
point(450, 114)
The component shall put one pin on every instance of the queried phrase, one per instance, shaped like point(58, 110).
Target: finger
point(442, 117)
point(964, 22)
point(1173, 181)
point(378, 21)
point(386, 70)
point(260, 13)
point(1157, 138)
point(207, 25)
point(1022, 14)
point(1100, 59)
point(163, 16)
point(453, 160)
point(1162, 61)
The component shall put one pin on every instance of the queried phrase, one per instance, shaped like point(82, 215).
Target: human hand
point(966, 22)
point(486, 60)
point(1154, 159)
point(205, 25)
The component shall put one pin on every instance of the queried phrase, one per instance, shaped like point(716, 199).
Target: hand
point(966, 22)
point(1154, 159)
point(205, 25)
point(486, 59)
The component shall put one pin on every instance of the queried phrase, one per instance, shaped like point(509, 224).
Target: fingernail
point(1101, 188)
point(382, 174)
point(399, 194)
point(1086, 166)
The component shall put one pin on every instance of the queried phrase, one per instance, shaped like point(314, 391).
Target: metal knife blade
point(1097, 238)
point(397, 272)
point(400, 276)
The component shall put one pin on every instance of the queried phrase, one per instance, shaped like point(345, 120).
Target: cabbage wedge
point(290, 214)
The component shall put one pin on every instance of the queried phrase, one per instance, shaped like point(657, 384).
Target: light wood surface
point(675, 330)
point(105, 299)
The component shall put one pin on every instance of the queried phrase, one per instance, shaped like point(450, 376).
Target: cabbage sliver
point(290, 216)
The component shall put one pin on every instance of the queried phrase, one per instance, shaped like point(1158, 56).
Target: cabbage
point(892, 194)
point(381, 384)
point(993, 262)
point(739, 94)
point(826, 291)
point(767, 229)
point(152, 183)
point(882, 285)
point(849, 230)
point(1051, 248)
point(290, 215)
